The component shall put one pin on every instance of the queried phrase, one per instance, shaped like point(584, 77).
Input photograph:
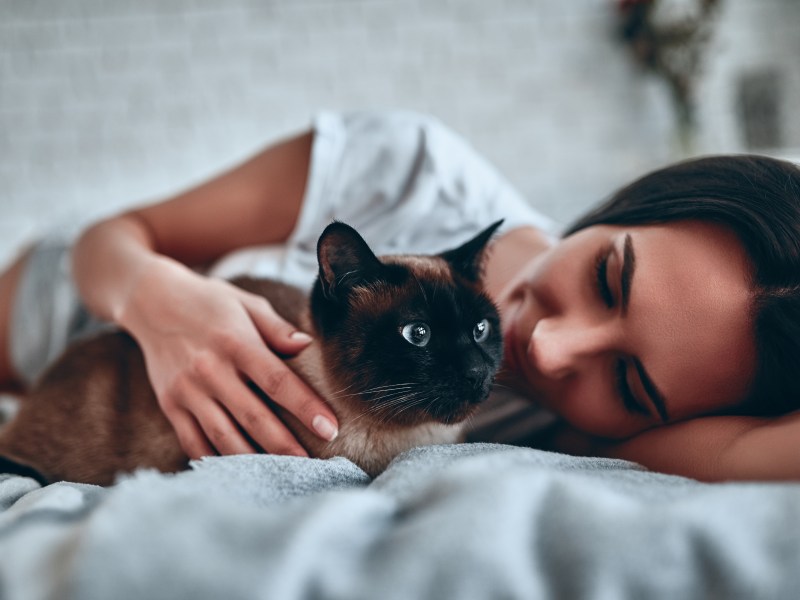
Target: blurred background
point(104, 103)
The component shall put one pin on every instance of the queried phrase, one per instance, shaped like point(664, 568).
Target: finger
point(191, 438)
point(256, 418)
point(279, 334)
point(272, 375)
point(218, 427)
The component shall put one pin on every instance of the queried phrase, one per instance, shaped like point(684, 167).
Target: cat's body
point(94, 415)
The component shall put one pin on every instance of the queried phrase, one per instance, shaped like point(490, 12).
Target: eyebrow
point(628, 269)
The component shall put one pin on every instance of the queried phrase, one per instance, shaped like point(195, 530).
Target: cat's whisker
point(503, 386)
point(344, 389)
point(367, 393)
point(391, 396)
point(381, 388)
point(386, 402)
point(387, 407)
point(405, 406)
point(389, 399)
point(350, 422)
point(388, 389)
point(403, 401)
point(384, 410)
point(431, 400)
point(376, 409)
point(398, 410)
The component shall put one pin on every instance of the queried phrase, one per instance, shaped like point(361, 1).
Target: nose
point(475, 376)
point(475, 373)
point(559, 347)
point(474, 368)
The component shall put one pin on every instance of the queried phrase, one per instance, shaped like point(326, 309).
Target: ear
point(467, 259)
point(344, 259)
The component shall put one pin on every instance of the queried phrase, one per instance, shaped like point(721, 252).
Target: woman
point(652, 328)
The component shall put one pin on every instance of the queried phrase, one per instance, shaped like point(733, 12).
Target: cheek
point(596, 413)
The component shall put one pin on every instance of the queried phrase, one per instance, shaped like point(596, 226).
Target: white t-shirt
point(406, 182)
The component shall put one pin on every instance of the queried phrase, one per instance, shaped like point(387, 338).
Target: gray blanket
point(468, 521)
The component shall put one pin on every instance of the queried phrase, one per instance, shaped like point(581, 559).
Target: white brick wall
point(108, 103)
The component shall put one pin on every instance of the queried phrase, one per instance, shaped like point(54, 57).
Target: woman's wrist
point(109, 262)
point(147, 290)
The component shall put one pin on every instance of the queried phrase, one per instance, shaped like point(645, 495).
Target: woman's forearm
point(719, 448)
point(257, 202)
point(108, 262)
point(770, 450)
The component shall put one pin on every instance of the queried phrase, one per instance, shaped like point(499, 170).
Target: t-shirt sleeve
point(405, 181)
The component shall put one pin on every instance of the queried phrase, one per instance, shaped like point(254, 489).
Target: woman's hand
point(203, 340)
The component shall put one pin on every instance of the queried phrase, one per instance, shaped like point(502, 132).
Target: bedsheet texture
point(461, 521)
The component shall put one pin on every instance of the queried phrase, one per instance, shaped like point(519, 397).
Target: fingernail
point(325, 428)
point(300, 336)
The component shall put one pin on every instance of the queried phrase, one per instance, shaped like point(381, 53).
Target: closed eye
point(632, 405)
point(601, 276)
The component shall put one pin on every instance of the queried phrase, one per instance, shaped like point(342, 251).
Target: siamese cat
point(405, 348)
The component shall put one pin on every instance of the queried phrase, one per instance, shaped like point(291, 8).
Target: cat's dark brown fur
point(94, 415)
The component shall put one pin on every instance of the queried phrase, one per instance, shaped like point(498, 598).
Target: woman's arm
point(202, 338)
point(720, 448)
point(706, 448)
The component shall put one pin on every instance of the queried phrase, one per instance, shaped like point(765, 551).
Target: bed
point(454, 521)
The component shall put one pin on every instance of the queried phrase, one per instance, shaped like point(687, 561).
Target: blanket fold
point(463, 521)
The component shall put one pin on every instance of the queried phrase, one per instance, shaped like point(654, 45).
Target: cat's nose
point(476, 377)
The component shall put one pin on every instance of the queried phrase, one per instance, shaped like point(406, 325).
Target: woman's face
point(619, 329)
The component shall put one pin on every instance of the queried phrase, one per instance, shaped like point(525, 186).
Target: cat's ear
point(344, 259)
point(467, 259)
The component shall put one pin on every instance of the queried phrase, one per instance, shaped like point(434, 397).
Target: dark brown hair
point(758, 198)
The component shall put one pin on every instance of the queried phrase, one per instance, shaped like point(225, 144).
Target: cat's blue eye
point(481, 331)
point(418, 334)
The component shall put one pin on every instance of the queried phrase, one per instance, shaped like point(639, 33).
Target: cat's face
point(412, 337)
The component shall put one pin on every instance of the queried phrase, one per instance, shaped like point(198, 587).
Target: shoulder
point(387, 148)
point(394, 136)
point(406, 181)
point(399, 160)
